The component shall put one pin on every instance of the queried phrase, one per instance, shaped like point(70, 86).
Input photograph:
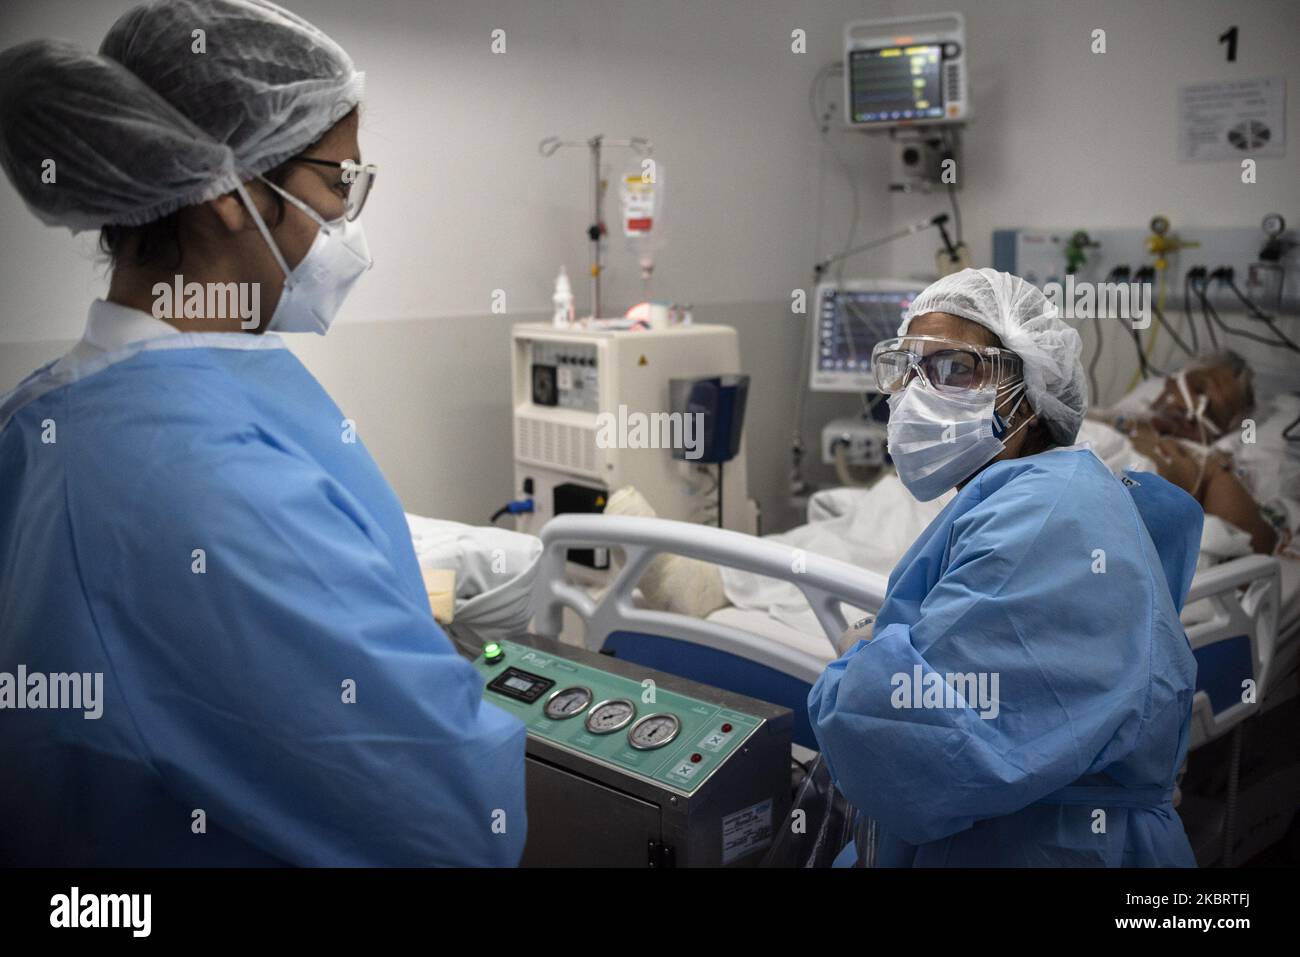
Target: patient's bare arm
point(1215, 486)
point(1173, 462)
point(1227, 498)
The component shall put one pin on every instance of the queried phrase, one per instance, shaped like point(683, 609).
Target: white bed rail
point(825, 582)
point(1245, 595)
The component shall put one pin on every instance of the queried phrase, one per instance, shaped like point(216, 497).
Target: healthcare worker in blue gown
point(187, 515)
point(1025, 696)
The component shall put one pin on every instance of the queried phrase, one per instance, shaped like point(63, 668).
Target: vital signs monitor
point(903, 71)
point(849, 318)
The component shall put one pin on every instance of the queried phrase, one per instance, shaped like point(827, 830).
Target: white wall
point(464, 204)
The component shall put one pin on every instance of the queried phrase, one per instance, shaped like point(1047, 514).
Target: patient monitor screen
point(849, 324)
point(896, 83)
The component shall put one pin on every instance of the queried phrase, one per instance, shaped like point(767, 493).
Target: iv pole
point(639, 145)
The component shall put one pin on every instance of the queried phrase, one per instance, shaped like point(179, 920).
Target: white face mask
point(938, 439)
point(314, 290)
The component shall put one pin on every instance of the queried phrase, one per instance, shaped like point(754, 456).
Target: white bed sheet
point(495, 569)
point(755, 622)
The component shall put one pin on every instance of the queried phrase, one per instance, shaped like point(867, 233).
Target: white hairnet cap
point(150, 124)
point(1027, 323)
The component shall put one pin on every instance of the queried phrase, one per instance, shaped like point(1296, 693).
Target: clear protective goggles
point(945, 365)
point(355, 178)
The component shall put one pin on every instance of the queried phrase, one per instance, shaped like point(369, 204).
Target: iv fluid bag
point(641, 202)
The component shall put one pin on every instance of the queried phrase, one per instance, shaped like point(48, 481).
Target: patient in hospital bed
point(1204, 431)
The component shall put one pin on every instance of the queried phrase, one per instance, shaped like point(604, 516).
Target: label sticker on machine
point(746, 831)
point(714, 741)
point(685, 769)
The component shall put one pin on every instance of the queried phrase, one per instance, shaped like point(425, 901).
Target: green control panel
point(670, 738)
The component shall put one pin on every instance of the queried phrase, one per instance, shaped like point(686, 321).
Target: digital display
point(849, 324)
point(896, 83)
point(520, 685)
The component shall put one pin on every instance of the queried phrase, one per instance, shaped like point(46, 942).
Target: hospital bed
point(1233, 632)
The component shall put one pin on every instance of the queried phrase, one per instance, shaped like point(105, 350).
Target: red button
point(726, 729)
point(695, 758)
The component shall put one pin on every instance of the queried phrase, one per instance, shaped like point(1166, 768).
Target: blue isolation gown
point(225, 671)
point(1041, 572)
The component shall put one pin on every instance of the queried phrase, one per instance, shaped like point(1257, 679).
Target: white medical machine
point(849, 318)
point(593, 413)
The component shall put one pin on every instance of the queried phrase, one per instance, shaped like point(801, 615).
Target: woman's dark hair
point(159, 243)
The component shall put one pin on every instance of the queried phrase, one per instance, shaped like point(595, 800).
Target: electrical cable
point(1160, 317)
point(1141, 373)
point(1286, 433)
point(1208, 307)
point(1205, 313)
point(1187, 314)
point(1257, 313)
point(822, 120)
point(709, 495)
point(1145, 365)
point(1144, 368)
point(1092, 365)
point(519, 506)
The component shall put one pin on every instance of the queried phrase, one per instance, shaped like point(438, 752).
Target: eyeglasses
point(946, 365)
point(358, 179)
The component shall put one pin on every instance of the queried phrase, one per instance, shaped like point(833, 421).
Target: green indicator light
point(492, 652)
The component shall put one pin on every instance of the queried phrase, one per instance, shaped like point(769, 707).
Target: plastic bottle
point(563, 300)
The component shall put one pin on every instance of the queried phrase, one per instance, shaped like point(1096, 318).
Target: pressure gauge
point(653, 731)
point(1160, 225)
point(610, 716)
point(1273, 225)
point(567, 703)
